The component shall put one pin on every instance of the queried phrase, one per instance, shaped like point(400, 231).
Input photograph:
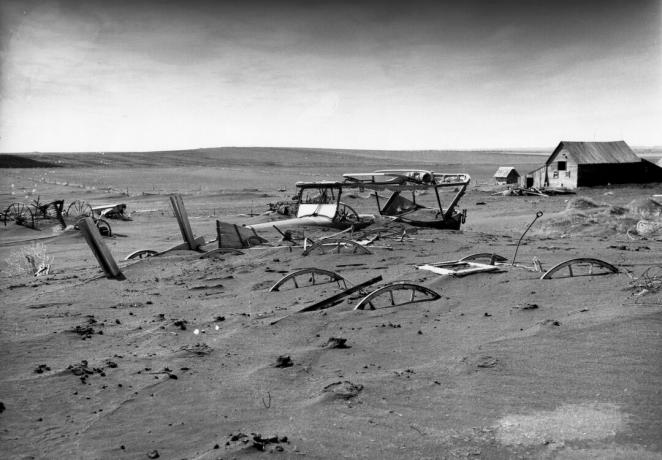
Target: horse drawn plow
point(38, 215)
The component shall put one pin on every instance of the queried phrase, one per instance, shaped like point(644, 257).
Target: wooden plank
point(99, 249)
point(182, 220)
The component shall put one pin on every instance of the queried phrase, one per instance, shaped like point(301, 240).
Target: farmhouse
point(506, 175)
point(579, 164)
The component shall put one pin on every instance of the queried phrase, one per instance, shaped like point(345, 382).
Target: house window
point(561, 165)
point(567, 173)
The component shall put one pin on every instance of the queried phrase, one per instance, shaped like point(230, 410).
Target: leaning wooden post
point(182, 220)
point(99, 248)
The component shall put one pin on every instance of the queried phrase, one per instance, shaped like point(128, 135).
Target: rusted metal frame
point(99, 249)
point(333, 277)
point(580, 260)
point(454, 202)
point(398, 286)
point(436, 192)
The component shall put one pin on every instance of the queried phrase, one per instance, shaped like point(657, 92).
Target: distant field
point(260, 156)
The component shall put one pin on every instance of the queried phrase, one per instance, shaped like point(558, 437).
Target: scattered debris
point(550, 322)
point(199, 349)
point(487, 362)
point(83, 371)
point(258, 441)
point(42, 368)
point(527, 306)
point(336, 342)
point(284, 361)
point(153, 454)
point(180, 323)
point(343, 389)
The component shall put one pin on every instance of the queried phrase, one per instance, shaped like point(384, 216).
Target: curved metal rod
point(357, 248)
point(333, 276)
point(538, 215)
point(581, 260)
point(428, 295)
point(484, 255)
point(141, 254)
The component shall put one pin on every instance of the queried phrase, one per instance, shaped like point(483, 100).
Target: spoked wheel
point(78, 209)
point(20, 214)
point(347, 214)
point(104, 227)
point(141, 254)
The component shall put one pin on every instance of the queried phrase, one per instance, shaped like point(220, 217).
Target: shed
point(506, 175)
point(577, 164)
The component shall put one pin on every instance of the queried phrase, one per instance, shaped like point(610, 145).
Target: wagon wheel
point(347, 214)
point(20, 214)
point(79, 209)
point(104, 227)
point(407, 294)
point(141, 254)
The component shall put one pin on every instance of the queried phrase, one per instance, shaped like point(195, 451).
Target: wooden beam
point(99, 248)
point(182, 220)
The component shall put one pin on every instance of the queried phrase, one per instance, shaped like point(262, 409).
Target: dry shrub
point(647, 208)
point(582, 203)
point(29, 260)
point(594, 222)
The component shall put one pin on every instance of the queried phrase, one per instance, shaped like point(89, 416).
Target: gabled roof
point(596, 152)
point(504, 171)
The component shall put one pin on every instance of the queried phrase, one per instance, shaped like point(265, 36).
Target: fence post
point(182, 220)
point(99, 248)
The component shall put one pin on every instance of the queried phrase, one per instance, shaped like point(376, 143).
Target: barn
point(506, 175)
point(585, 164)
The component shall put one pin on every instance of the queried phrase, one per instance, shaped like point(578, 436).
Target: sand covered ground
point(181, 359)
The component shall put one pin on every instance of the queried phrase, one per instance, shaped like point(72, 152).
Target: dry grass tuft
point(29, 260)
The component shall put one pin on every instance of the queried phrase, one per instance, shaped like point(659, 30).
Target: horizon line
point(489, 149)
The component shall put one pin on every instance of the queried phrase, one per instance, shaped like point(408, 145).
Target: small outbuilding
point(580, 164)
point(506, 175)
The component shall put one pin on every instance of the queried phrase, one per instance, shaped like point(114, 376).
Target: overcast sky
point(96, 75)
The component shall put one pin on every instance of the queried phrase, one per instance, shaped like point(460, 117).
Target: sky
point(97, 75)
